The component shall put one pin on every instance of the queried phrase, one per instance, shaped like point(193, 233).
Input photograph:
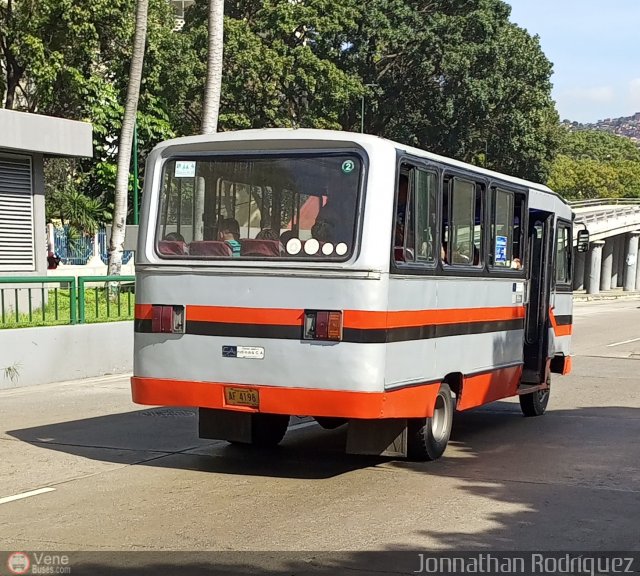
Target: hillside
point(628, 126)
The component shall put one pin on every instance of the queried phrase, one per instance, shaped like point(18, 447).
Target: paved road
point(125, 477)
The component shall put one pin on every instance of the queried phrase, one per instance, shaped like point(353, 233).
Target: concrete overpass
point(614, 230)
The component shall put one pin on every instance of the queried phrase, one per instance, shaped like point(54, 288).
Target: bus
point(346, 278)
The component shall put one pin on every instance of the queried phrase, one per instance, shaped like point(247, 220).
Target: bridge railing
point(604, 202)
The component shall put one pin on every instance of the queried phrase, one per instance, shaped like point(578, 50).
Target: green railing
point(108, 300)
point(22, 305)
point(94, 299)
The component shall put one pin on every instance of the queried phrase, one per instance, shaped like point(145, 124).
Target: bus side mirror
point(582, 241)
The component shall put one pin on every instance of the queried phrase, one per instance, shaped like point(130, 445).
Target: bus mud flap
point(224, 425)
point(386, 437)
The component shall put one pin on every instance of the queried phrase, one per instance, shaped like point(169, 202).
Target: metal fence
point(79, 250)
point(603, 202)
point(49, 301)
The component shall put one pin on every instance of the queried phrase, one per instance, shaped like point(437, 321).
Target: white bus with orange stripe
point(348, 278)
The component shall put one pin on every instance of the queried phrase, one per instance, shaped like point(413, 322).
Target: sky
point(594, 46)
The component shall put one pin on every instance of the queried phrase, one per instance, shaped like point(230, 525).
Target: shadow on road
point(481, 439)
point(551, 483)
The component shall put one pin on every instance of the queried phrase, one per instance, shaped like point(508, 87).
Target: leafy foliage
point(456, 77)
point(452, 76)
point(70, 58)
point(596, 164)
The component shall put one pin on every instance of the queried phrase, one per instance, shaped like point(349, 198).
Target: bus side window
point(415, 216)
point(563, 253)
point(401, 220)
point(462, 223)
point(426, 190)
point(506, 230)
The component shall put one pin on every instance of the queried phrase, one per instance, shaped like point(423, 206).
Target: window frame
point(405, 164)
point(481, 185)
point(239, 155)
point(524, 224)
point(567, 285)
point(409, 167)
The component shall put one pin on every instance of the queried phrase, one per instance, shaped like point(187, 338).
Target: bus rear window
point(295, 207)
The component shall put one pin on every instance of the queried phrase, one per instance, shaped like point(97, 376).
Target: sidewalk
point(617, 294)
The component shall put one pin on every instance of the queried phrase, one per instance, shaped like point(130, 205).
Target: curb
point(606, 296)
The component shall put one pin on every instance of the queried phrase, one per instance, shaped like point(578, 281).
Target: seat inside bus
point(252, 247)
point(209, 248)
point(174, 247)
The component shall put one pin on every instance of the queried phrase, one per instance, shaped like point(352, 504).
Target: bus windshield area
point(291, 207)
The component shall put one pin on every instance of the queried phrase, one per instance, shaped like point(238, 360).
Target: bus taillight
point(322, 325)
point(168, 319)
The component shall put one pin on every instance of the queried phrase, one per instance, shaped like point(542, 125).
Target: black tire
point(330, 423)
point(535, 403)
point(428, 437)
point(268, 430)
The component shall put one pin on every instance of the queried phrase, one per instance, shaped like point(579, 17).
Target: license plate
point(242, 397)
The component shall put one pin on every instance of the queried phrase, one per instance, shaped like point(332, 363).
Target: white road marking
point(26, 495)
point(623, 342)
point(302, 425)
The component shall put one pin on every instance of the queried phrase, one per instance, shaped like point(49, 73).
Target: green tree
point(71, 59)
point(458, 78)
point(597, 145)
point(116, 243)
point(596, 164)
point(275, 69)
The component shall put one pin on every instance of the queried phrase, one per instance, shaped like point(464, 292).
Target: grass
point(98, 308)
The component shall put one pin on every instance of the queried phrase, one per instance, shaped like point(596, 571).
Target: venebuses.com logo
point(18, 563)
point(38, 563)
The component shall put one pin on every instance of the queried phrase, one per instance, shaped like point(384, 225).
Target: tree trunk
point(211, 105)
point(118, 229)
point(13, 72)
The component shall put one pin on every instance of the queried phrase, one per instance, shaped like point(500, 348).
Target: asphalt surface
point(117, 476)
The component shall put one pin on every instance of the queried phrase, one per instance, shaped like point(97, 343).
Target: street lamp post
point(362, 107)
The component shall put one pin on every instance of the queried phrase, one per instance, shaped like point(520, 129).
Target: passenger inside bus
point(173, 243)
point(267, 234)
point(229, 232)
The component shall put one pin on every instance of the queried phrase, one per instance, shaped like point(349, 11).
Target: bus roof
point(355, 137)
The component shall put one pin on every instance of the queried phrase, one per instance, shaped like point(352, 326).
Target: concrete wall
point(39, 217)
point(60, 353)
point(45, 134)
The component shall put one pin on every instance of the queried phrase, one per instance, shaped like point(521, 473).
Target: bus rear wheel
point(535, 403)
point(428, 437)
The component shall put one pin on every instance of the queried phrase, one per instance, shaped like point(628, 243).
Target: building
point(25, 140)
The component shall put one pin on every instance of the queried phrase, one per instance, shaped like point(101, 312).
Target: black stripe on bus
point(564, 320)
point(353, 335)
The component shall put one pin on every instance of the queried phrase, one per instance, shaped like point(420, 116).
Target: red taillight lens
point(167, 319)
point(322, 325)
point(335, 326)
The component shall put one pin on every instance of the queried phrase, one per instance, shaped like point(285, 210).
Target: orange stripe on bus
point(411, 402)
point(359, 319)
point(563, 330)
point(236, 315)
point(490, 386)
point(452, 316)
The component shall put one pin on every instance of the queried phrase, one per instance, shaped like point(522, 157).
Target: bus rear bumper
point(410, 402)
